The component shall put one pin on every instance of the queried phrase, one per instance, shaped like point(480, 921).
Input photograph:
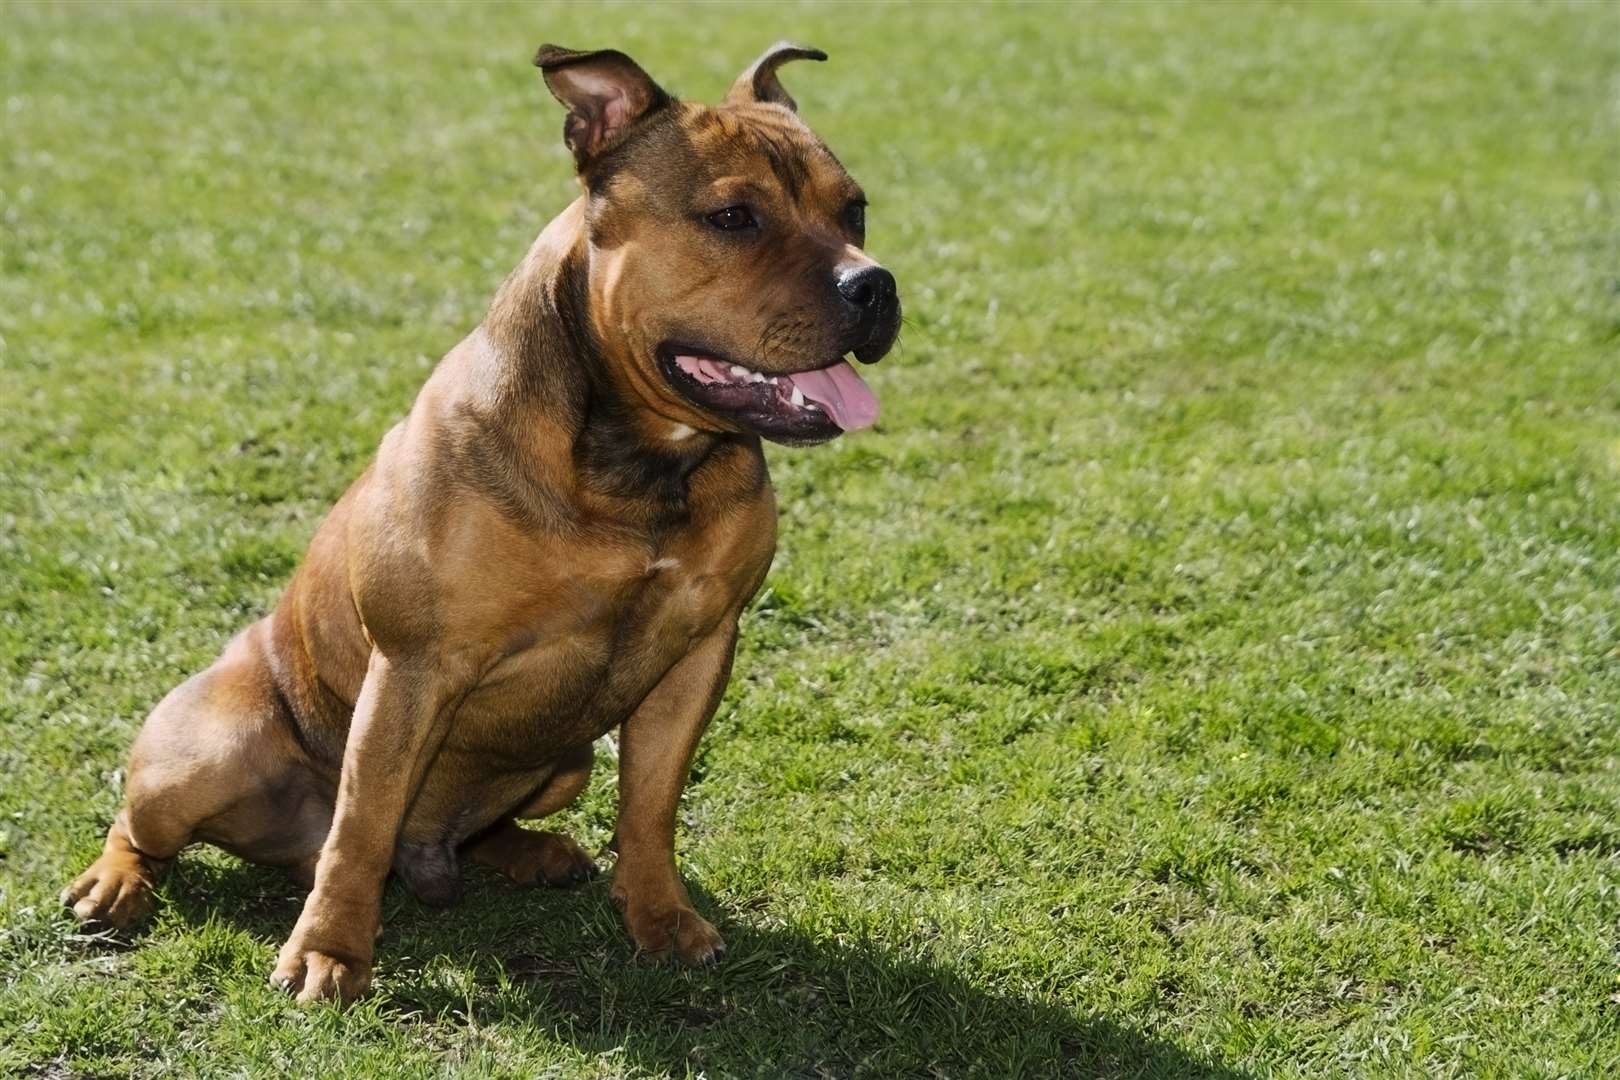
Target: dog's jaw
point(794, 408)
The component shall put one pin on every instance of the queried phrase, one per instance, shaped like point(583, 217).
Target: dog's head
point(727, 276)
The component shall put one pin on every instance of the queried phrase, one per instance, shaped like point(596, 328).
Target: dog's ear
point(605, 93)
point(759, 82)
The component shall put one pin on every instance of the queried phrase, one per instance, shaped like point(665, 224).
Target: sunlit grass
point(1209, 664)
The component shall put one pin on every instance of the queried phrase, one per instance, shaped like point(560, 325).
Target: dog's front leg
point(655, 750)
point(399, 722)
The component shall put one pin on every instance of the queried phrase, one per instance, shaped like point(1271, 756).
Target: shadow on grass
point(781, 1003)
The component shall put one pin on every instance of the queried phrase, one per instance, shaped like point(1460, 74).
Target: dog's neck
point(549, 367)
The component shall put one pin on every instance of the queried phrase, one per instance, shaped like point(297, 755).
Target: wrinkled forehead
point(740, 150)
point(767, 138)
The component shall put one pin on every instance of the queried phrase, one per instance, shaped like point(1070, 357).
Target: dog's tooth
point(739, 371)
point(798, 396)
point(757, 377)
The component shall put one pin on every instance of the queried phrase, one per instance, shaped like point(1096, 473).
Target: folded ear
point(605, 92)
point(759, 82)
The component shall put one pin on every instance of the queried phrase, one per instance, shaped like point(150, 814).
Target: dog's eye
point(855, 218)
point(732, 218)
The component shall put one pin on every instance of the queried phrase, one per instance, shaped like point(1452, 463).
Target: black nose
point(869, 288)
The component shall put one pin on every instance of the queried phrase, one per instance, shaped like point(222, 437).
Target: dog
point(557, 541)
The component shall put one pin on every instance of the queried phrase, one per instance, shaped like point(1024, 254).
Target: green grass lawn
point(1208, 666)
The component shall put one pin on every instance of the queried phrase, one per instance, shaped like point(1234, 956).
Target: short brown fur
point(552, 544)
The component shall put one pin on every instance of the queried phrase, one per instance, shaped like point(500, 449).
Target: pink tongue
point(702, 368)
point(842, 393)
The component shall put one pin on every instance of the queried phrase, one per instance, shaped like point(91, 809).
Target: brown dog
point(556, 541)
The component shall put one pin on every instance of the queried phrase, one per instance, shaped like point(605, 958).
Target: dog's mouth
point(795, 407)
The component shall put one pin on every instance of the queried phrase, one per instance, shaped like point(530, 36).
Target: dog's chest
point(582, 652)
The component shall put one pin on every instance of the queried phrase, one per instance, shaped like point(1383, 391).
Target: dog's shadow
point(783, 1001)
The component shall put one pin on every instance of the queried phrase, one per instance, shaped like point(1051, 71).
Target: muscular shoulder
point(734, 518)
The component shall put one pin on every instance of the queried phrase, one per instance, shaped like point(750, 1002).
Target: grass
point(1209, 666)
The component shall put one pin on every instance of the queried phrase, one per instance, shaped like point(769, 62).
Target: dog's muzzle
point(873, 301)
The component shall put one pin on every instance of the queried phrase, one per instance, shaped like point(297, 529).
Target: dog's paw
point(555, 859)
point(532, 857)
point(314, 975)
point(674, 932)
point(115, 892)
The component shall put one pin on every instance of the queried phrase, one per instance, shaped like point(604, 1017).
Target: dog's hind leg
point(116, 890)
point(214, 761)
point(533, 856)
